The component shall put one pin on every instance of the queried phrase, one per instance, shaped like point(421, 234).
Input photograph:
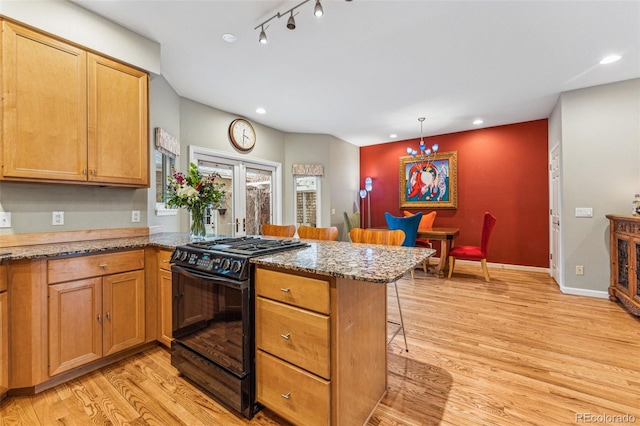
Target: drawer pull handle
point(165, 261)
point(103, 265)
point(109, 316)
point(99, 318)
point(286, 395)
point(285, 336)
point(284, 290)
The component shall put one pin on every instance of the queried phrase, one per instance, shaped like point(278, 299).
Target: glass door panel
point(220, 221)
point(259, 194)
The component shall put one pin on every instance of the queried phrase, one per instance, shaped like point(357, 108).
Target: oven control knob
point(176, 254)
point(225, 264)
point(184, 255)
point(236, 266)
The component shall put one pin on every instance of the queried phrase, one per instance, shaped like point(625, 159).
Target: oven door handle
point(195, 274)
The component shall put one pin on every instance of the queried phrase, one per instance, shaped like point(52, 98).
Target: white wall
point(71, 22)
point(600, 169)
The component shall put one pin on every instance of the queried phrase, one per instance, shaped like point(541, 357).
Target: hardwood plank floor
point(514, 351)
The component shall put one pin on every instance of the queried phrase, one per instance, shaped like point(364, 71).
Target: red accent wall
point(502, 170)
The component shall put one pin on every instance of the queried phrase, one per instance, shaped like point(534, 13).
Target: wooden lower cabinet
point(165, 298)
point(625, 261)
point(94, 316)
point(4, 343)
point(320, 346)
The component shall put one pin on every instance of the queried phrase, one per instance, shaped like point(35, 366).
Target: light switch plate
point(5, 220)
point(57, 218)
point(584, 212)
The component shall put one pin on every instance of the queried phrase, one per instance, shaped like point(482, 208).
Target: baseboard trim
point(584, 292)
point(502, 266)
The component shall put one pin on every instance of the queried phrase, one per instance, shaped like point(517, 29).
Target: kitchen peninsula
point(321, 312)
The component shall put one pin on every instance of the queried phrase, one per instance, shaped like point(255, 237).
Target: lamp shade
point(363, 193)
point(368, 184)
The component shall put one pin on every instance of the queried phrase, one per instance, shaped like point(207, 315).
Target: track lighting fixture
point(263, 36)
point(318, 11)
point(291, 23)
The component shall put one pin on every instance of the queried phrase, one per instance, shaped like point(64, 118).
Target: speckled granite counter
point(167, 240)
point(363, 262)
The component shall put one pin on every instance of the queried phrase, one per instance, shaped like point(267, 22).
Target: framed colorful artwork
point(429, 184)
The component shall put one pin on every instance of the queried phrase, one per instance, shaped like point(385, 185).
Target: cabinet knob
point(103, 265)
point(286, 395)
point(285, 336)
point(109, 316)
point(285, 290)
point(99, 318)
point(165, 261)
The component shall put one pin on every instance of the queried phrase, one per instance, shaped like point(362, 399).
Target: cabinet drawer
point(295, 290)
point(164, 257)
point(291, 392)
point(75, 268)
point(3, 277)
point(295, 335)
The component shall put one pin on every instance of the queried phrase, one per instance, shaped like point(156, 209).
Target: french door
point(253, 191)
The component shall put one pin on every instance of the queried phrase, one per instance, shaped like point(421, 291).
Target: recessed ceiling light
point(393, 136)
point(229, 38)
point(477, 121)
point(261, 110)
point(610, 59)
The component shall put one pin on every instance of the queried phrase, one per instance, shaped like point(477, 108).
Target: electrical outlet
point(5, 220)
point(57, 218)
point(579, 270)
point(135, 216)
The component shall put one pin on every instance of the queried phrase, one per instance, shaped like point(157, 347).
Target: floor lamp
point(363, 195)
point(368, 186)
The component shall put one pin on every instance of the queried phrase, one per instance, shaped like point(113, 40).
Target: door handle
point(244, 225)
point(237, 224)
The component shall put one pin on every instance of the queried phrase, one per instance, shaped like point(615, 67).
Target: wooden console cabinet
point(165, 308)
point(320, 346)
point(625, 261)
point(70, 115)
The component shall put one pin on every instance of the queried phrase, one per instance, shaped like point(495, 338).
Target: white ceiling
point(368, 68)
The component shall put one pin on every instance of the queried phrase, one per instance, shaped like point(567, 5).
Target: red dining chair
point(475, 252)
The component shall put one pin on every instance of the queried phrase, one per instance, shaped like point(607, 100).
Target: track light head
point(318, 10)
point(291, 23)
point(263, 36)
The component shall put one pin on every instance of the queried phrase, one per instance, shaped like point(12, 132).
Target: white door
point(253, 188)
point(554, 213)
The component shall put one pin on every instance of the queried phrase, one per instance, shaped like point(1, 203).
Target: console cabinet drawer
point(295, 335)
point(296, 395)
point(76, 268)
point(307, 293)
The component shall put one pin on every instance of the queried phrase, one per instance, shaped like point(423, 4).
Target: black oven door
point(211, 317)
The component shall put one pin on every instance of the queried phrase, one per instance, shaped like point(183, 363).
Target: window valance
point(167, 144)
point(307, 169)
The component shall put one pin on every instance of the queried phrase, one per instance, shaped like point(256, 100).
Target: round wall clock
point(242, 134)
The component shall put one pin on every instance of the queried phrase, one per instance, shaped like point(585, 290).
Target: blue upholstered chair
point(408, 224)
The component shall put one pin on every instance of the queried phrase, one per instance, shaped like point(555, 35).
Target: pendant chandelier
point(426, 155)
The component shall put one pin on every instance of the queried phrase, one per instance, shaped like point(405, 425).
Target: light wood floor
point(511, 352)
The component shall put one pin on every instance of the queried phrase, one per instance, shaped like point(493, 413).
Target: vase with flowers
point(195, 192)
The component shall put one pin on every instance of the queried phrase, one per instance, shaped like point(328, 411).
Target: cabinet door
point(123, 307)
point(634, 270)
point(166, 306)
point(75, 324)
point(44, 105)
point(622, 262)
point(118, 146)
point(4, 343)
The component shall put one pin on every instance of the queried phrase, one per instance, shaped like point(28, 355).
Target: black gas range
point(213, 312)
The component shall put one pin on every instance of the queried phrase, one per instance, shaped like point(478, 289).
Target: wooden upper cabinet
point(118, 129)
point(70, 115)
point(44, 107)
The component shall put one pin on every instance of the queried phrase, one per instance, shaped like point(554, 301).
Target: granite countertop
point(365, 262)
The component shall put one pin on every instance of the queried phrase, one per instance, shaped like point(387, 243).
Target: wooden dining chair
point(475, 252)
point(389, 238)
point(278, 230)
point(310, 233)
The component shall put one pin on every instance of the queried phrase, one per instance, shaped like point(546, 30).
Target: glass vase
point(198, 230)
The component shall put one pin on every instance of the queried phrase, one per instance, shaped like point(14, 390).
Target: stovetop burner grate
point(248, 246)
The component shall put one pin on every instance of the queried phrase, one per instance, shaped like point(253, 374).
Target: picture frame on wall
point(429, 184)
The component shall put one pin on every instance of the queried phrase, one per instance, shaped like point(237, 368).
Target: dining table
point(446, 237)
